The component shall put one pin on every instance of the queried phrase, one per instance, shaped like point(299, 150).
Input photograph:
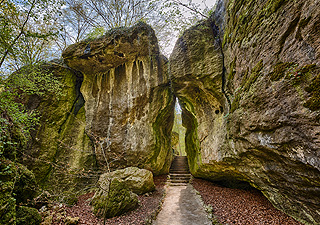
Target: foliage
point(179, 129)
point(91, 18)
point(26, 28)
point(16, 121)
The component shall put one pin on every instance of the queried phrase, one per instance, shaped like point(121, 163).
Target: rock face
point(139, 181)
point(128, 101)
point(251, 101)
point(60, 143)
point(115, 105)
point(113, 198)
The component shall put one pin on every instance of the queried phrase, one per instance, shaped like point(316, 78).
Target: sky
point(202, 3)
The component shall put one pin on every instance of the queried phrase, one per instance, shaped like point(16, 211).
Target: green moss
point(26, 186)
point(118, 200)
point(302, 24)
point(232, 69)
point(279, 70)
point(299, 75)
point(255, 72)
point(28, 216)
point(162, 126)
point(235, 103)
point(314, 102)
point(246, 17)
point(7, 204)
point(276, 4)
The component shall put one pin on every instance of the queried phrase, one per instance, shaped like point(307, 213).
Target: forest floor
point(240, 207)
point(229, 207)
point(148, 208)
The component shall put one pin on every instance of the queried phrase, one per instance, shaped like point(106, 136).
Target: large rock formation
point(251, 101)
point(60, 146)
point(115, 109)
point(128, 101)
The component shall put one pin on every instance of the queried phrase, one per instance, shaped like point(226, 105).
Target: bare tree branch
point(19, 35)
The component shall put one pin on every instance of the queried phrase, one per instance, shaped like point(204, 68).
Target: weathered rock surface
point(128, 102)
point(60, 147)
point(269, 131)
point(113, 198)
point(138, 181)
point(196, 66)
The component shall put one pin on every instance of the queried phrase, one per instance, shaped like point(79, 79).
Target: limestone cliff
point(128, 101)
point(248, 83)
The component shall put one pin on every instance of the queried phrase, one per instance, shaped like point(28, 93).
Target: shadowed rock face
point(128, 102)
point(258, 120)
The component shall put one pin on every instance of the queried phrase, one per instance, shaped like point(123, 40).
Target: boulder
point(138, 181)
point(60, 136)
point(113, 198)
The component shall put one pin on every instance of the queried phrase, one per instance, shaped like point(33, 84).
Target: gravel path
point(182, 206)
point(241, 207)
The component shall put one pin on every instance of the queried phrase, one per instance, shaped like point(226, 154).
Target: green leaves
point(16, 122)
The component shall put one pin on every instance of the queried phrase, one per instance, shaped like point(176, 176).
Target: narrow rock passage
point(182, 206)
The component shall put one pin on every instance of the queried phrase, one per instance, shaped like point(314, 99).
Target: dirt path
point(182, 206)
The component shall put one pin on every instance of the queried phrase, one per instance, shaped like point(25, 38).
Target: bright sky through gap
point(203, 4)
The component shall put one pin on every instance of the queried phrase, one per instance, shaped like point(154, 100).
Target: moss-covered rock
point(28, 216)
point(7, 200)
point(113, 199)
point(26, 187)
point(60, 148)
point(196, 65)
point(138, 181)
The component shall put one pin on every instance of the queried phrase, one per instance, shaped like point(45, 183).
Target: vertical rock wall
point(60, 147)
point(128, 101)
point(264, 74)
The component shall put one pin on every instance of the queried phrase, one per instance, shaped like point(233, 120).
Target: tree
point(26, 27)
point(167, 17)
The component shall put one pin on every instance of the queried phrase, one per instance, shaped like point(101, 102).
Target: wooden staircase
point(179, 174)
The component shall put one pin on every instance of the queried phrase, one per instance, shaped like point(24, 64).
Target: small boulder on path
point(118, 191)
point(139, 181)
point(113, 198)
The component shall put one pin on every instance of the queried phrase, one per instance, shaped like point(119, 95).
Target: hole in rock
point(217, 111)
